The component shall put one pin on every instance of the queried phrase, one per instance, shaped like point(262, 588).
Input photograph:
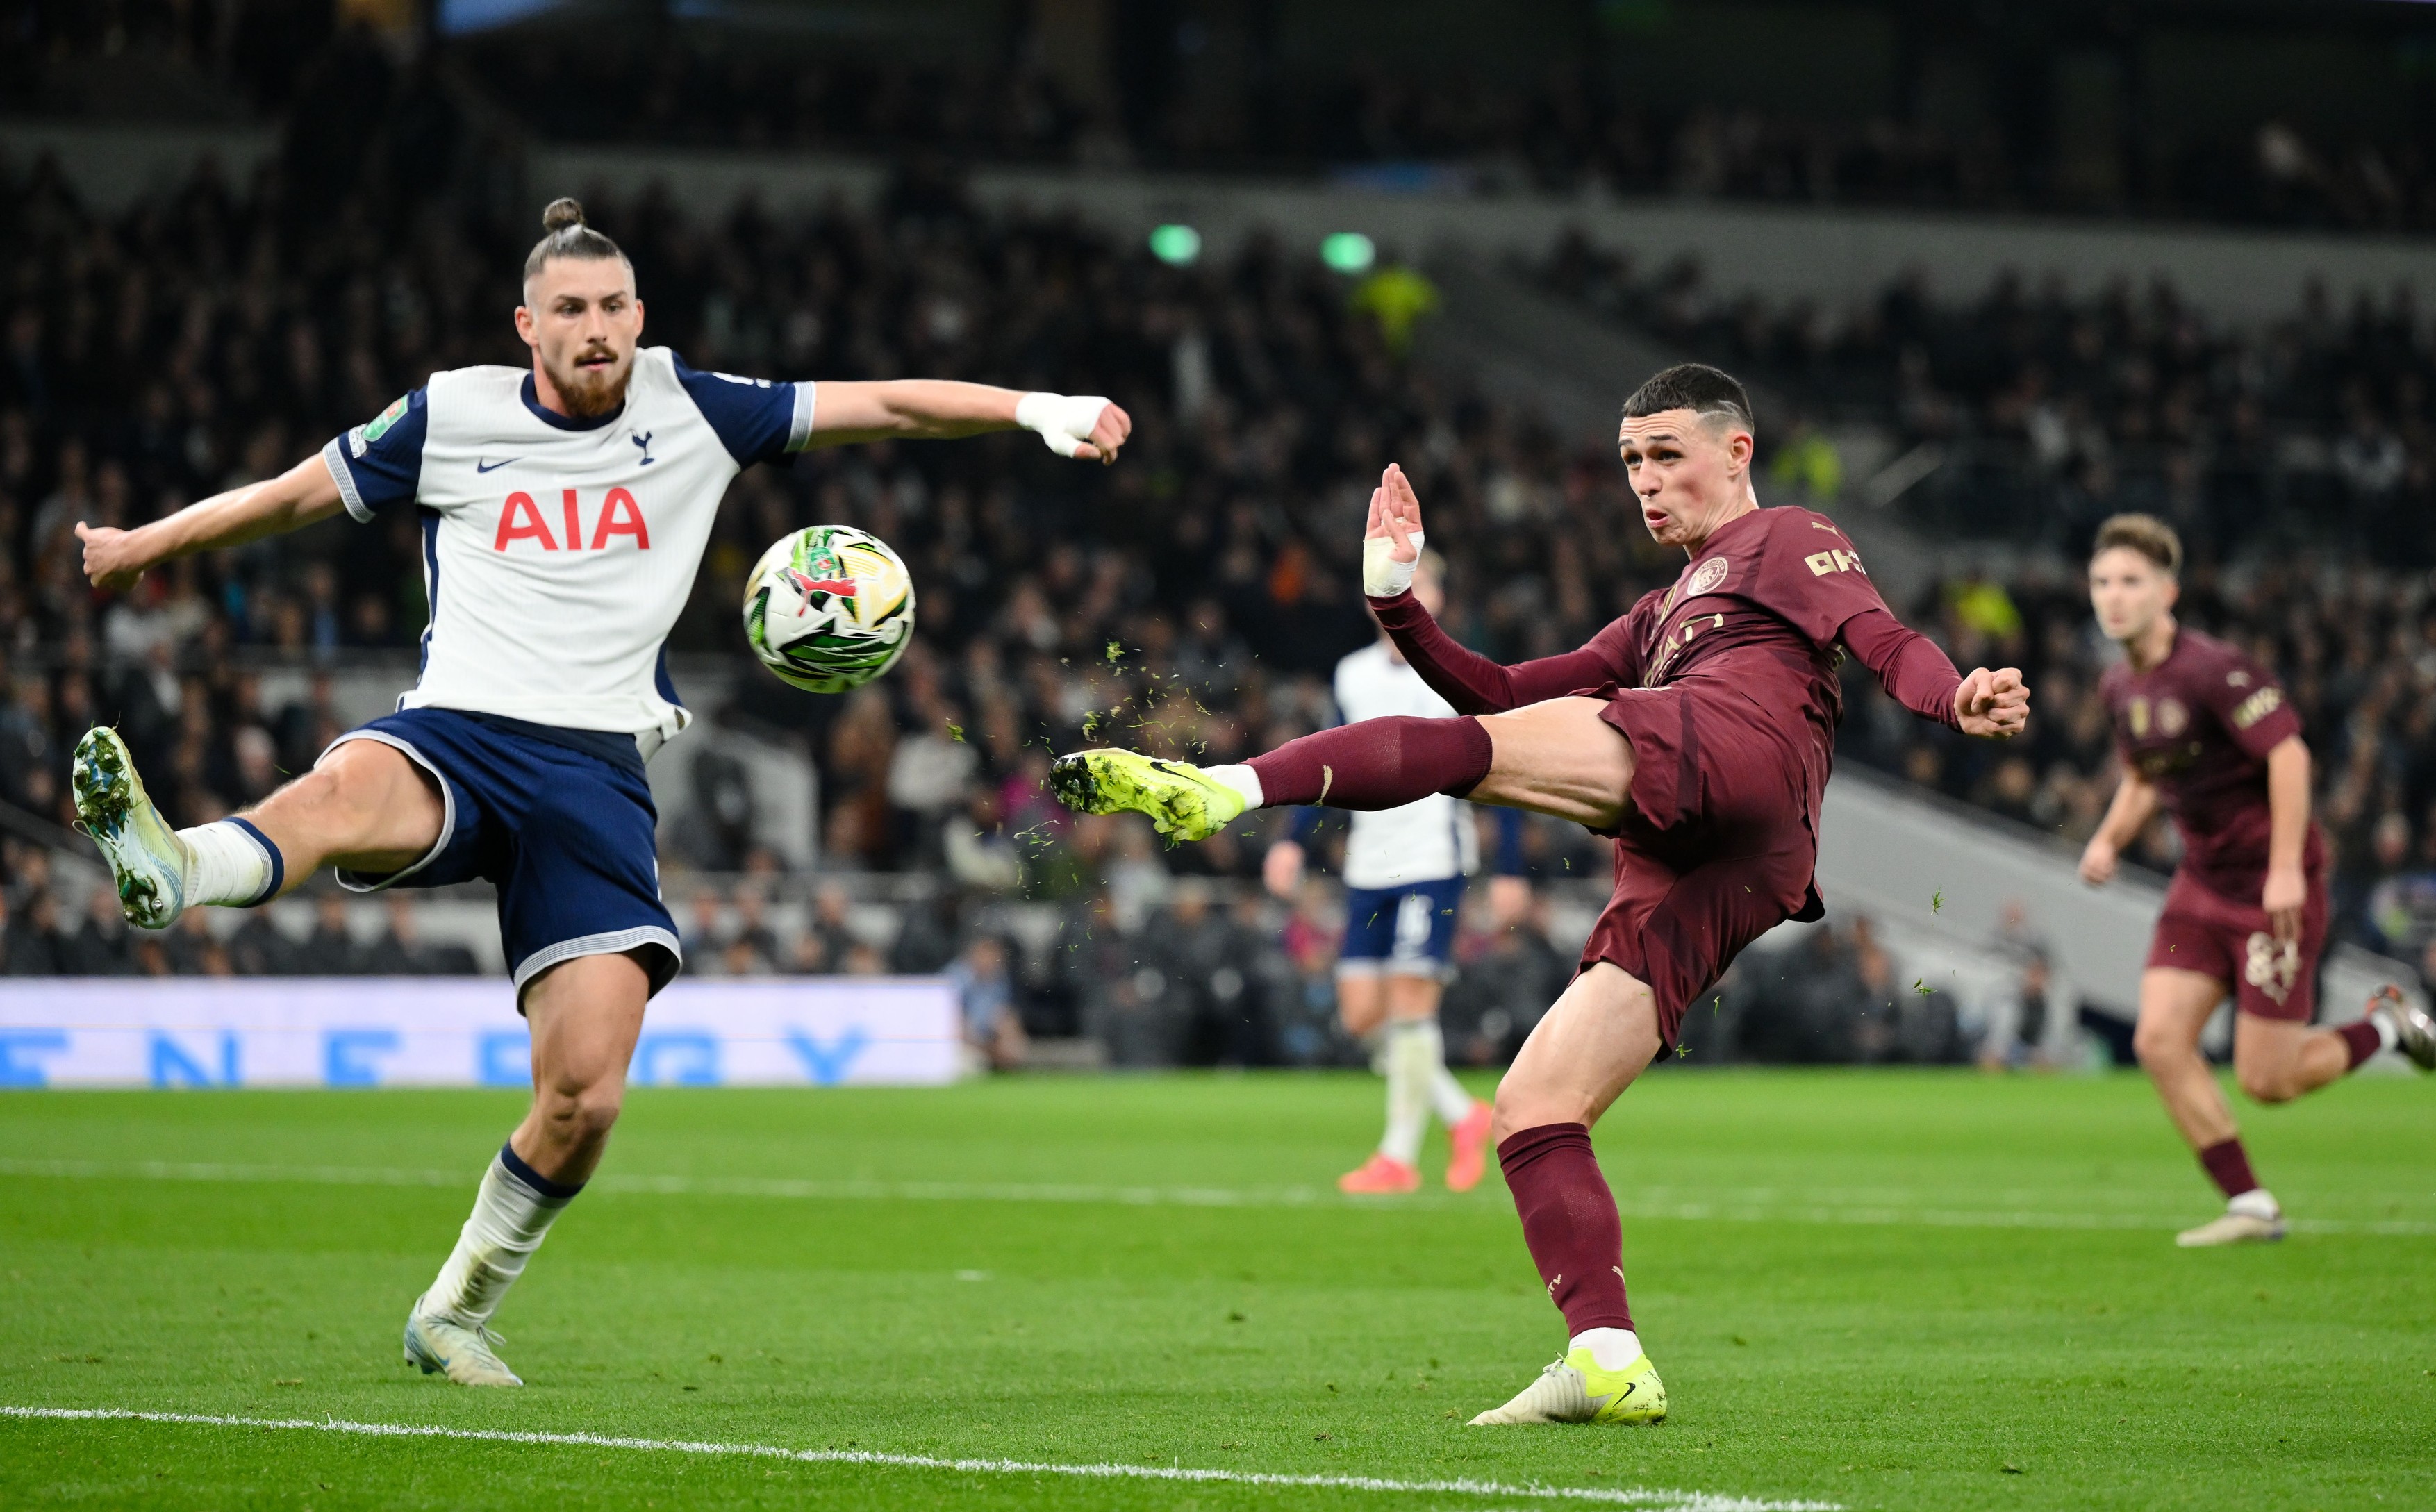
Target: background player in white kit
point(1404, 872)
point(564, 512)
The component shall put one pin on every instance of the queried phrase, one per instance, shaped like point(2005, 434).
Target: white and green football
point(828, 608)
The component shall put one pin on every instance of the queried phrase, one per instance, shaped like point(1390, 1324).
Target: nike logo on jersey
point(490, 467)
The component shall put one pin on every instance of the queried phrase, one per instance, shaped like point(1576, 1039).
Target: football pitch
point(1864, 1289)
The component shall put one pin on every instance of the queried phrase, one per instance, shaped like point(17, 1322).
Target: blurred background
point(1994, 269)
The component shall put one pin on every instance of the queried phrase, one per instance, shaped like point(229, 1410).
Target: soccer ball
point(828, 608)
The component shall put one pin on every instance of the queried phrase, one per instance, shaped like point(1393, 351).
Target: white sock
point(230, 862)
point(1613, 1348)
point(1412, 1051)
point(1374, 1044)
point(2257, 1203)
point(1448, 1098)
point(510, 1218)
point(2388, 1033)
point(1244, 780)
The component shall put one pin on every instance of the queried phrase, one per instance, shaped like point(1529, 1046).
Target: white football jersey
point(557, 553)
point(1426, 840)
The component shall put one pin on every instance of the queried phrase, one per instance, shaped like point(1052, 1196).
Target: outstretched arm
point(297, 498)
point(1994, 705)
point(1087, 426)
point(1391, 550)
point(1475, 685)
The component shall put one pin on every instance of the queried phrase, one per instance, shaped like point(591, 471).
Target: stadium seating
point(1194, 597)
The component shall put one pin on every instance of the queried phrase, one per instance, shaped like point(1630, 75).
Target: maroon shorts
point(1716, 846)
point(2205, 931)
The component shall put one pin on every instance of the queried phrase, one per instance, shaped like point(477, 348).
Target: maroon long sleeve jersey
point(1766, 606)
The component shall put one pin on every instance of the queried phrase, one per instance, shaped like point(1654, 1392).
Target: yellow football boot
point(1575, 1390)
point(1181, 803)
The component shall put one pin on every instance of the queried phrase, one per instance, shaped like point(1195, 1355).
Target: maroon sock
point(2228, 1166)
point(1376, 764)
point(1570, 1222)
point(2361, 1039)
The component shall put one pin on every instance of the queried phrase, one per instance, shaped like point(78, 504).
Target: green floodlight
point(1347, 251)
point(1177, 246)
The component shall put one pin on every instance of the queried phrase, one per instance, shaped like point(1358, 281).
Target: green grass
point(1902, 1291)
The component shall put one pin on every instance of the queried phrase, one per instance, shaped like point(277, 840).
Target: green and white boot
point(151, 866)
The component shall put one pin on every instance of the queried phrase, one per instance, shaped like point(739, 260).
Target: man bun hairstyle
point(565, 235)
point(1694, 386)
point(2145, 533)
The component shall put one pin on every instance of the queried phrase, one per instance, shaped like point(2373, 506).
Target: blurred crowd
point(1570, 132)
point(1190, 601)
point(2046, 413)
point(1177, 95)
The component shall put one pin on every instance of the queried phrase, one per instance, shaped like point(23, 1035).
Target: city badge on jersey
point(1706, 578)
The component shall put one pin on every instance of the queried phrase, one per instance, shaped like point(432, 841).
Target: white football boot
point(445, 1347)
point(2233, 1229)
point(150, 865)
point(2414, 1033)
point(1575, 1390)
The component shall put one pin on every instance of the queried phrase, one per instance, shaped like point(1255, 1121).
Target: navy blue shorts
point(565, 834)
point(1405, 931)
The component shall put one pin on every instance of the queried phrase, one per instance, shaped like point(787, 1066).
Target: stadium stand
point(1194, 597)
point(1908, 105)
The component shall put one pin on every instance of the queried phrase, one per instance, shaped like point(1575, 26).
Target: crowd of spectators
point(1570, 132)
point(1584, 125)
point(2049, 412)
point(1191, 600)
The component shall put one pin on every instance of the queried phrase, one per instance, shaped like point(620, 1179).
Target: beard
point(591, 392)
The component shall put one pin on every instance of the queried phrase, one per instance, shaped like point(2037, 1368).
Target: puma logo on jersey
point(521, 519)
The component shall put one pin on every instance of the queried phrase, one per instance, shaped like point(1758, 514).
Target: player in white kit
point(563, 512)
point(1404, 872)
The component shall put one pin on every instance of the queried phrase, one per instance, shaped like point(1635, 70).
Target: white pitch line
point(1873, 1210)
point(1618, 1495)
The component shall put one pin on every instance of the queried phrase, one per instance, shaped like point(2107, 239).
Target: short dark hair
point(2145, 533)
point(1694, 386)
point(565, 235)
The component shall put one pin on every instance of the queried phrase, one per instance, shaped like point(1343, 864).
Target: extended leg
point(1556, 757)
point(2174, 1008)
point(367, 807)
point(1600, 1036)
point(585, 1016)
point(1559, 757)
point(2276, 1060)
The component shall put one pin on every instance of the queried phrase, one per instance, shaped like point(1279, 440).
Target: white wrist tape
point(1064, 421)
point(1382, 575)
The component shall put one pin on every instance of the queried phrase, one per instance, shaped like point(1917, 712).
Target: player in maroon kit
point(2206, 731)
point(1697, 730)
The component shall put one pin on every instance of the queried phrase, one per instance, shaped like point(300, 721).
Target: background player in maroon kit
point(1697, 729)
point(2206, 731)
